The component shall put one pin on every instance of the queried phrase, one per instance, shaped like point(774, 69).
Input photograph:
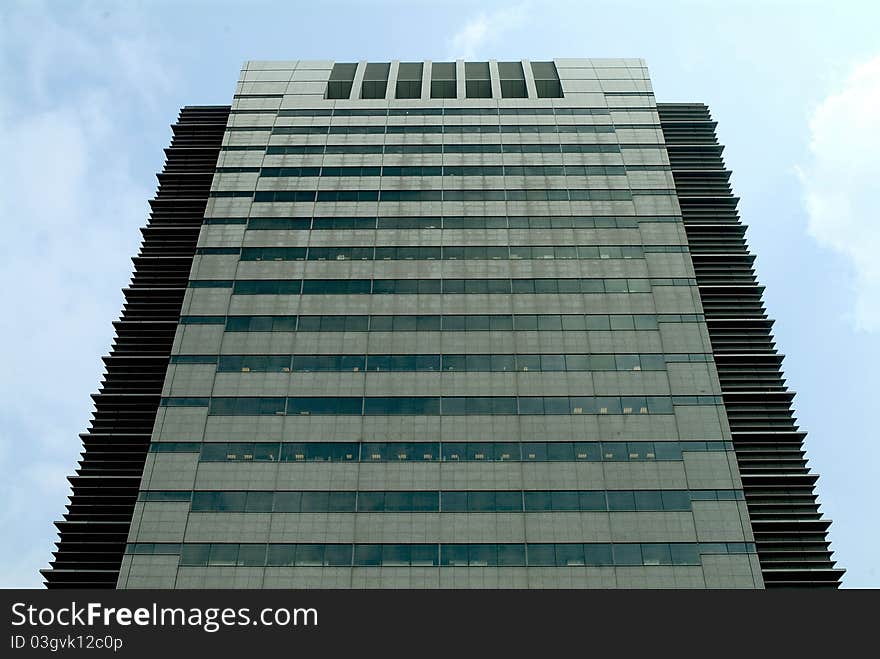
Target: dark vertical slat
point(93, 532)
point(790, 532)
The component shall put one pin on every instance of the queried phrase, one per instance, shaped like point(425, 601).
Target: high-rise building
point(444, 324)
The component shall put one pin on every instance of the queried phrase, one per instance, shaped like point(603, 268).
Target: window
point(409, 80)
point(450, 555)
point(546, 80)
point(476, 80)
point(469, 451)
point(443, 83)
point(375, 80)
point(341, 79)
point(513, 81)
point(318, 405)
point(452, 323)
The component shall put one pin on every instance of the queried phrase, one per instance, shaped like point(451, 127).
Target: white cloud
point(79, 84)
point(840, 183)
point(485, 29)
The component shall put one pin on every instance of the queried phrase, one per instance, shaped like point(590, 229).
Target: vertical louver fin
point(790, 532)
point(104, 487)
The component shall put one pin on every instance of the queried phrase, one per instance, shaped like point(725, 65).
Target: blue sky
point(91, 87)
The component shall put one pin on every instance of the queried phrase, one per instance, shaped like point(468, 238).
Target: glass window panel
point(569, 554)
point(454, 555)
point(552, 362)
point(259, 502)
point(533, 451)
point(634, 405)
point(510, 555)
point(537, 501)
point(531, 405)
point(423, 555)
point(525, 322)
point(337, 555)
point(627, 363)
point(481, 501)
point(479, 363)
point(525, 286)
point(541, 555)
point(455, 502)
point(454, 363)
point(591, 451)
point(528, 362)
point(648, 500)
point(640, 450)
point(608, 404)
point(659, 404)
point(478, 89)
point(614, 451)
point(667, 450)
point(229, 501)
point(406, 323)
point(560, 451)
point(341, 502)
point(572, 322)
point(371, 501)
point(223, 554)
point(623, 500)
point(577, 363)
point(572, 285)
point(508, 501)
point(503, 450)
point(549, 322)
point(598, 554)
point(501, 323)
point(315, 502)
point(598, 322)
point(622, 322)
point(398, 501)
point(367, 555)
point(564, 500)
point(628, 554)
point(510, 71)
point(379, 362)
point(195, 554)
point(478, 405)
point(556, 405)
point(443, 88)
point(685, 553)
point(478, 323)
point(652, 362)
point(482, 555)
point(676, 500)
point(425, 501)
point(498, 286)
point(252, 555)
point(502, 363)
point(453, 286)
point(592, 501)
point(309, 323)
point(513, 89)
point(288, 502)
point(453, 323)
point(203, 501)
point(281, 555)
point(426, 362)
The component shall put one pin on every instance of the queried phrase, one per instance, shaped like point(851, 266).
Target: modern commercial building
point(459, 324)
